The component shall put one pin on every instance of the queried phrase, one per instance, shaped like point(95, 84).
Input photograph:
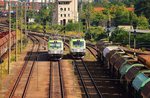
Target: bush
point(120, 36)
point(77, 27)
point(75, 34)
point(142, 22)
point(95, 33)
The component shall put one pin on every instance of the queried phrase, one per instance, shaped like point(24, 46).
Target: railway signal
point(108, 29)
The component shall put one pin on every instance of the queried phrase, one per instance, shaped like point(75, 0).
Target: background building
point(65, 11)
point(33, 4)
point(86, 1)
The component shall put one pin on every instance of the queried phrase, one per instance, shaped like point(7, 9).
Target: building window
point(63, 3)
point(64, 15)
point(61, 15)
point(68, 15)
point(61, 22)
point(68, 9)
point(61, 9)
point(66, 2)
point(64, 9)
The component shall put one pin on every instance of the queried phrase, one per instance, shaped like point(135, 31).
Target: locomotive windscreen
point(55, 45)
point(78, 43)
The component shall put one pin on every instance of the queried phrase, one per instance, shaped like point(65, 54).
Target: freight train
point(132, 74)
point(4, 36)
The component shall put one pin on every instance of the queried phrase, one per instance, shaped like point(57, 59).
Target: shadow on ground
point(42, 56)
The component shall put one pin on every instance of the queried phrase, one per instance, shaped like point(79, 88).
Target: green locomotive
point(55, 49)
point(77, 47)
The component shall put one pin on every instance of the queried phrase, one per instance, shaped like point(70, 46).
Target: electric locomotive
point(77, 47)
point(55, 49)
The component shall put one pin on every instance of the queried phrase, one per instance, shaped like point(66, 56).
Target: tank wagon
point(134, 76)
point(55, 49)
point(77, 47)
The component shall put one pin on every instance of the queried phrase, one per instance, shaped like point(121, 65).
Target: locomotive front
point(77, 47)
point(55, 49)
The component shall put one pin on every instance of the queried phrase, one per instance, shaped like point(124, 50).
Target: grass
point(89, 56)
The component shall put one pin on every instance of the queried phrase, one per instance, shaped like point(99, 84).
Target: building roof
point(130, 9)
point(101, 9)
point(98, 9)
point(1, 3)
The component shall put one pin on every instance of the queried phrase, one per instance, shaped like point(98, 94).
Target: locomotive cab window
point(55, 45)
point(78, 43)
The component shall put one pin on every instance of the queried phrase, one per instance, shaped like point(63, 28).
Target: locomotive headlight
point(61, 51)
point(84, 50)
point(72, 50)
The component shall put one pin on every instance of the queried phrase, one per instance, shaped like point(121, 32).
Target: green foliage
point(120, 36)
point(49, 28)
point(95, 33)
point(86, 13)
point(115, 2)
point(143, 7)
point(56, 27)
point(99, 18)
point(44, 15)
point(12, 58)
point(121, 15)
point(142, 22)
point(143, 38)
point(117, 12)
point(77, 27)
point(30, 14)
point(35, 27)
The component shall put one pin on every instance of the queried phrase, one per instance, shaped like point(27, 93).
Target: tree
point(30, 13)
point(45, 16)
point(142, 22)
point(120, 36)
point(95, 33)
point(87, 14)
point(121, 15)
point(143, 7)
point(99, 19)
point(77, 27)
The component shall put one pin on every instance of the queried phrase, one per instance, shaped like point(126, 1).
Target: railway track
point(94, 78)
point(107, 85)
point(22, 82)
point(56, 85)
point(89, 85)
